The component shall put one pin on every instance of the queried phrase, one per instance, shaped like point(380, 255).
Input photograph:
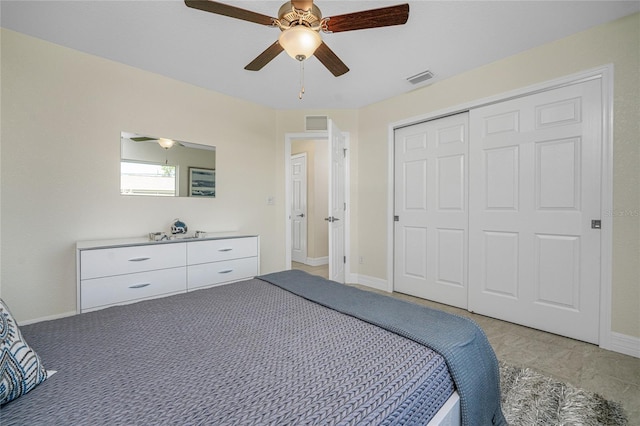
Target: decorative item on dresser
point(116, 272)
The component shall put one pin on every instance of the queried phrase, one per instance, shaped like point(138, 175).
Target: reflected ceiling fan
point(300, 22)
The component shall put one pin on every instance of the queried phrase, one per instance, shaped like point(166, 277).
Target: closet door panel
point(534, 189)
point(430, 234)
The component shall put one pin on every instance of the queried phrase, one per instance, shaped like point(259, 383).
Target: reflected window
point(148, 179)
point(166, 167)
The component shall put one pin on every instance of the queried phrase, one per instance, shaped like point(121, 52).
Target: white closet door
point(430, 233)
point(534, 190)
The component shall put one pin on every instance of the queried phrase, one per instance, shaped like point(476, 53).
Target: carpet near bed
point(530, 398)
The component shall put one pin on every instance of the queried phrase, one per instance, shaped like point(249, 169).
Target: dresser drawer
point(207, 274)
point(126, 260)
point(217, 250)
point(99, 292)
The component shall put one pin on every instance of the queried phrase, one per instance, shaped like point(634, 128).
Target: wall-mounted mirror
point(166, 167)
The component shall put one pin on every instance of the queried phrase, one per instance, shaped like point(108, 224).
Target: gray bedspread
point(248, 353)
point(470, 357)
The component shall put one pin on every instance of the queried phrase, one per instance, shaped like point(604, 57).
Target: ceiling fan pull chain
point(301, 80)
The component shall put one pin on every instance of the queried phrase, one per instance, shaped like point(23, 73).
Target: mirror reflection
point(163, 167)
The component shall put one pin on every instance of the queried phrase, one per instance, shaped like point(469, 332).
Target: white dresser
point(116, 272)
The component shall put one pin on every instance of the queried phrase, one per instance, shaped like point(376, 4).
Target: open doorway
point(333, 221)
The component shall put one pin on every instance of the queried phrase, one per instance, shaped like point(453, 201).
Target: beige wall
point(62, 113)
point(617, 43)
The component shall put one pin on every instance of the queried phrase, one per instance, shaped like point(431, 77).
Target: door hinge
point(344, 152)
point(344, 259)
point(345, 207)
point(596, 224)
point(396, 218)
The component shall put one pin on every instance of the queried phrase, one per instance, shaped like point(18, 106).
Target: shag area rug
point(530, 398)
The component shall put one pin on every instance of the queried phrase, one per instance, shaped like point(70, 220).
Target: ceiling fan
point(300, 22)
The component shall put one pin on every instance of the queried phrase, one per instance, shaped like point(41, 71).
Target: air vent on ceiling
point(419, 78)
point(315, 123)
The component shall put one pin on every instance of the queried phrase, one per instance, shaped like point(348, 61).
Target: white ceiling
point(210, 51)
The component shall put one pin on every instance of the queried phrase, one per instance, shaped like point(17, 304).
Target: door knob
point(301, 215)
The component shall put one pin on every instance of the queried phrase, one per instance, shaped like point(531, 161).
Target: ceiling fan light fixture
point(300, 42)
point(166, 143)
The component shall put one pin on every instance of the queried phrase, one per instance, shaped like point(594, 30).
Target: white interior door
point(337, 203)
point(430, 232)
point(299, 208)
point(534, 190)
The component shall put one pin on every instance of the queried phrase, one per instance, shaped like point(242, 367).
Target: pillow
point(20, 367)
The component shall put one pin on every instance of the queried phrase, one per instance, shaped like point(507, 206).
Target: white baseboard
point(317, 261)
point(51, 317)
point(624, 344)
point(377, 283)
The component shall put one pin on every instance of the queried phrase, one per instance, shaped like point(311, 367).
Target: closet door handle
point(139, 259)
point(141, 285)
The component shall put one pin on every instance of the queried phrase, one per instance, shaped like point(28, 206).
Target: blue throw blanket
point(472, 363)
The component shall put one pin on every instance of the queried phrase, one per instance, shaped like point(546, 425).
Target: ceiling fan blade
point(330, 60)
point(230, 11)
point(374, 18)
point(265, 57)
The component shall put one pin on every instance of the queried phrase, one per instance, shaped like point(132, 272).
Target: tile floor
point(322, 270)
point(610, 374)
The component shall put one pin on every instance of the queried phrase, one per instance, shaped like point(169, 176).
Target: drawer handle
point(139, 259)
point(226, 271)
point(225, 249)
point(142, 285)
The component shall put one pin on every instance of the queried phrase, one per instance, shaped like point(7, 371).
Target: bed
point(286, 348)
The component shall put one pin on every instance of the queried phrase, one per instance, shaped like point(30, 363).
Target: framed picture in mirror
point(202, 182)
